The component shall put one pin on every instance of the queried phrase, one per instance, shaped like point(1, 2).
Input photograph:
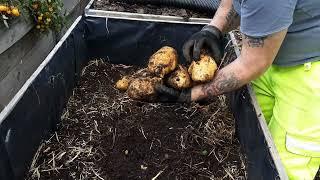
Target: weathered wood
point(14, 80)
point(69, 5)
point(19, 61)
point(18, 28)
point(21, 26)
point(14, 55)
point(17, 96)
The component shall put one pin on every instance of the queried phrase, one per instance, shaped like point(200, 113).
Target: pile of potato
point(164, 68)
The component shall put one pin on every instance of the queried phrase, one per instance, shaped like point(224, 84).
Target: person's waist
point(285, 62)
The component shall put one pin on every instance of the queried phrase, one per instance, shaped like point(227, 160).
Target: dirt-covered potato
point(164, 61)
point(203, 70)
point(123, 83)
point(180, 78)
point(141, 73)
point(143, 88)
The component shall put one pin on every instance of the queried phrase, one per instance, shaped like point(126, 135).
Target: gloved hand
point(209, 38)
point(167, 94)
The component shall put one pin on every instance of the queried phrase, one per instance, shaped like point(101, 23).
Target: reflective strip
point(307, 66)
point(294, 143)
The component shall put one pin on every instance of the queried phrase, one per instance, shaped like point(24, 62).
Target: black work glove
point(209, 38)
point(167, 94)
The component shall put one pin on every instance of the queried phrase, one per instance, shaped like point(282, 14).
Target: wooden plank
point(262, 122)
point(21, 26)
point(18, 28)
point(14, 80)
point(39, 68)
point(14, 55)
point(69, 5)
point(20, 60)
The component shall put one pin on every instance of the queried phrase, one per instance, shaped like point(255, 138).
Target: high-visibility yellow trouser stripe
point(303, 146)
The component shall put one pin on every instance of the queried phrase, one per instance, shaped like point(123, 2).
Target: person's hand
point(209, 38)
point(167, 94)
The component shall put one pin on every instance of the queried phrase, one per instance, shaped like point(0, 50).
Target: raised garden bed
point(35, 111)
point(104, 134)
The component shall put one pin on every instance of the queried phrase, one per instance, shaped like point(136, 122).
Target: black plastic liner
point(133, 42)
point(260, 163)
point(38, 112)
point(200, 5)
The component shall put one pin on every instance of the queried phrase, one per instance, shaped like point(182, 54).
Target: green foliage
point(47, 14)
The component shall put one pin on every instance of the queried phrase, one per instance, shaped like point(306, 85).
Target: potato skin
point(141, 73)
point(143, 88)
point(123, 83)
point(179, 79)
point(164, 61)
point(203, 70)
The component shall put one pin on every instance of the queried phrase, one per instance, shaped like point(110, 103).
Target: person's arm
point(211, 36)
point(257, 55)
point(265, 32)
point(225, 18)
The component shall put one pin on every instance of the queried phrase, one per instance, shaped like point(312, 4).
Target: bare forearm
point(226, 18)
point(227, 79)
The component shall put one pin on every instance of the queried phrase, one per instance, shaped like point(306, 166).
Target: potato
point(180, 78)
point(164, 61)
point(123, 83)
point(141, 73)
point(143, 88)
point(203, 70)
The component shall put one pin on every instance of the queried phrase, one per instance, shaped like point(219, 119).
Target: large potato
point(180, 78)
point(123, 83)
point(203, 70)
point(164, 61)
point(143, 88)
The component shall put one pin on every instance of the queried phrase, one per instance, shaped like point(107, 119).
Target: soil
point(105, 135)
point(118, 5)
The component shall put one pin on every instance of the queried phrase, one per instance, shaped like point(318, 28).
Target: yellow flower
point(15, 12)
point(3, 8)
